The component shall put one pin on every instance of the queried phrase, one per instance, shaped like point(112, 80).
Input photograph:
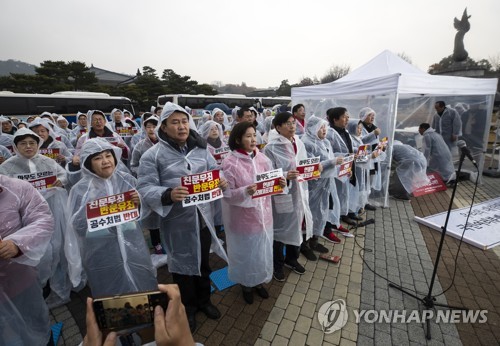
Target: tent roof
point(388, 73)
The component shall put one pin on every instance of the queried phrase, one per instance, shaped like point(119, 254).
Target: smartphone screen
point(128, 311)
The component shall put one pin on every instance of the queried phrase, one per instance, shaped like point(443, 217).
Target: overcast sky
point(259, 42)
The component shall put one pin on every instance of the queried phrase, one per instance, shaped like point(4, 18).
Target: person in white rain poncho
point(341, 142)
point(115, 259)
point(290, 211)
point(437, 153)
point(28, 164)
point(323, 200)
point(447, 122)
point(299, 113)
point(268, 126)
point(220, 117)
point(358, 195)
point(25, 232)
point(411, 169)
point(139, 136)
point(246, 114)
point(63, 124)
point(99, 127)
point(153, 221)
point(43, 129)
point(248, 222)
point(370, 135)
point(80, 129)
point(187, 232)
point(61, 135)
point(120, 126)
point(212, 133)
point(4, 154)
point(5, 138)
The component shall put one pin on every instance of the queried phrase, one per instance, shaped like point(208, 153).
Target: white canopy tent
point(403, 97)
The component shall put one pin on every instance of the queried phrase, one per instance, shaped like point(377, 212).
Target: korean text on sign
point(39, 180)
point(111, 211)
point(268, 183)
point(53, 153)
point(202, 188)
point(346, 167)
point(308, 168)
point(382, 144)
point(362, 154)
point(221, 153)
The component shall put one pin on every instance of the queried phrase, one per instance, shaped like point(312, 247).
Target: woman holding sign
point(113, 250)
point(291, 213)
point(248, 220)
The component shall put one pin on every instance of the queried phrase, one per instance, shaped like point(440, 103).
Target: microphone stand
point(429, 301)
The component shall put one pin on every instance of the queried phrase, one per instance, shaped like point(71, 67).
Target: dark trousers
point(292, 254)
point(195, 290)
point(155, 236)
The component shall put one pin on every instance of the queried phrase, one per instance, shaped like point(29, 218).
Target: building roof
point(111, 78)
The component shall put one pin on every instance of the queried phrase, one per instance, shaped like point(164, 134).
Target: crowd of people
point(52, 177)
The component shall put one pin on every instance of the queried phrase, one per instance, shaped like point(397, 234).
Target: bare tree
point(495, 62)
point(335, 72)
point(405, 57)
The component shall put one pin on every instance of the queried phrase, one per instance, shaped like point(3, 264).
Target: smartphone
point(125, 312)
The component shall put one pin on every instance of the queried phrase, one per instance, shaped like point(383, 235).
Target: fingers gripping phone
point(132, 311)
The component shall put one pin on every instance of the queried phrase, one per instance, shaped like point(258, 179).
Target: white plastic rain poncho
point(448, 124)
point(139, 136)
point(290, 209)
point(4, 152)
point(27, 221)
point(53, 265)
point(438, 155)
point(358, 195)
point(226, 126)
point(320, 190)
point(142, 146)
point(372, 139)
point(340, 149)
point(61, 135)
point(122, 125)
point(268, 124)
point(212, 145)
point(108, 133)
point(116, 259)
point(5, 138)
point(53, 144)
point(161, 168)
point(411, 166)
point(248, 222)
point(66, 130)
point(78, 130)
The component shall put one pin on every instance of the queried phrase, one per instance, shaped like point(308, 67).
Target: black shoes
point(261, 291)
point(370, 207)
point(307, 252)
point(355, 217)
point(279, 276)
point(247, 294)
point(315, 246)
point(210, 311)
point(348, 220)
point(295, 266)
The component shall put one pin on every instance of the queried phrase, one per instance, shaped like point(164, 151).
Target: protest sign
point(308, 169)
point(346, 167)
point(53, 153)
point(39, 180)
point(202, 188)
point(220, 153)
point(268, 183)
point(111, 211)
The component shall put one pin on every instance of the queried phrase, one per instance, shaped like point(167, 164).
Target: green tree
point(176, 84)
point(79, 76)
point(147, 88)
point(448, 63)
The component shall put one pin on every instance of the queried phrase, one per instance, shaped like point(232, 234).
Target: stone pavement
point(396, 248)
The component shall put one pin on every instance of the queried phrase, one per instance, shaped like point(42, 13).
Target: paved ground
point(396, 248)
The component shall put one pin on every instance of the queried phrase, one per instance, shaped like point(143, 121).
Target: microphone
point(465, 151)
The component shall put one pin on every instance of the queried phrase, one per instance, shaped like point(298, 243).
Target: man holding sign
point(187, 231)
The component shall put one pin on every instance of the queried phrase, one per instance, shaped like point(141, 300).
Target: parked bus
point(66, 103)
point(270, 102)
point(198, 103)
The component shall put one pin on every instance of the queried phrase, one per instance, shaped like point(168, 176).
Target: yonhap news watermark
point(333, 316)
